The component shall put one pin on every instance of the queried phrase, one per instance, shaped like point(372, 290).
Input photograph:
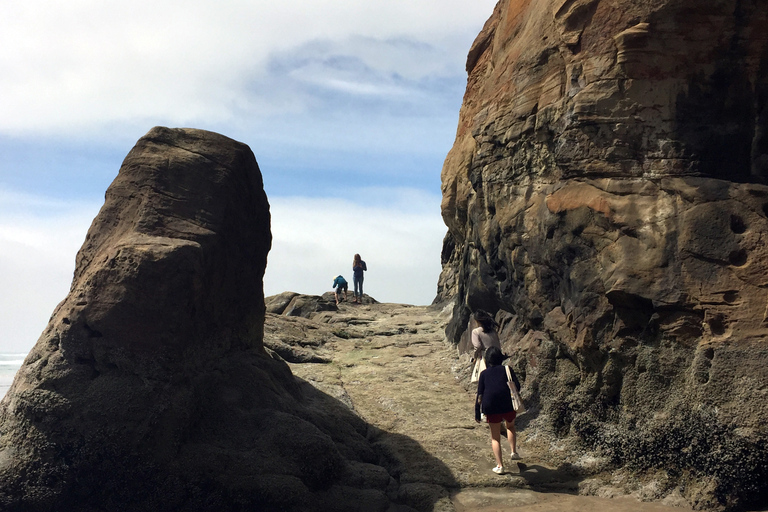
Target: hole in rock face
point(765, 209)
point(738, 258)
point(737, 224)
point(731, 296)
point(717, 325)
point(634, 311)
point(709, 353)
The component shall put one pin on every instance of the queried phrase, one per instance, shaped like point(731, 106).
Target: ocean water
point(9, 365)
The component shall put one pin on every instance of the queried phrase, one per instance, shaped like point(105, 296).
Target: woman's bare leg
point(511, 435)
point(495, 444)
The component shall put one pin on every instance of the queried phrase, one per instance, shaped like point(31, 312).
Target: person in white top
point(483, 337)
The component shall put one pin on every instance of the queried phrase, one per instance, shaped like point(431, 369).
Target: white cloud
point(398, 232)
point(39, 238)
point(326, 92)
point(83, 64)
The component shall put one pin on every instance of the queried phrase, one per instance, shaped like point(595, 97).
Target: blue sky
point(349, 107)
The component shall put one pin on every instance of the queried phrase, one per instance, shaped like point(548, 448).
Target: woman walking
point(483, 337)
point(358, 267)
point(495, 401)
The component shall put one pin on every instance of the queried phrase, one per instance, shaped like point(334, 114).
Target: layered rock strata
point(605, 198)
point(150, 388)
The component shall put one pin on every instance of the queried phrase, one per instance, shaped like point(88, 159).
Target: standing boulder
point(150, 388)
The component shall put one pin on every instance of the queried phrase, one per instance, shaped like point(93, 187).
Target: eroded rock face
point(605, 197)
point(150, 388)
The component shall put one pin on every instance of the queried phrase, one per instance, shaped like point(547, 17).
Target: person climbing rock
point(340, 285)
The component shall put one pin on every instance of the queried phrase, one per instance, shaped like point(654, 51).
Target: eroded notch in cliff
point(634, 311)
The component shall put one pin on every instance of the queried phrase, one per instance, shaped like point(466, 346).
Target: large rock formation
point(605, 198)
point(150, 388)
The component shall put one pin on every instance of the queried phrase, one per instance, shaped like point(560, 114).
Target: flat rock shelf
point(391, 364)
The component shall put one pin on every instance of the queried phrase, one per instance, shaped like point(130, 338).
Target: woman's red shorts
point(509, 417)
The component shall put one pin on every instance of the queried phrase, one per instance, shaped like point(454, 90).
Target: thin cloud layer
point(84, 64)
point(341, 101)
point(39, 238)
point(314, 240)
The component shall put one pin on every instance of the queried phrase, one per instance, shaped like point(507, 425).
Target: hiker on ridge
point(340, 284)
point(358, 267)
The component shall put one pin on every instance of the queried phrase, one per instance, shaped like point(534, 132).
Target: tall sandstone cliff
point(606, 199)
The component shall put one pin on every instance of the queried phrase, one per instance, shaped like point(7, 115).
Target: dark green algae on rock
point(609, 208)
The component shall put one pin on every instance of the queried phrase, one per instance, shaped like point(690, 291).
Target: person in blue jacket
point(495, 401)
point(358, 267)
point(340, 284)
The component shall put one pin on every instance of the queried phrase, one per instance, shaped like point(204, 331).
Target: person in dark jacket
point(495, 401)
point(341, 286)
point(358, 267)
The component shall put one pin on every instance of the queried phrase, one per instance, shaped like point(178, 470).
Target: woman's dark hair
point(494, 356)
point(485, 320)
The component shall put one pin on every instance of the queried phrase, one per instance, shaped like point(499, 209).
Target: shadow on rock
point(151, 389)
point(392, 463)
point(543, 479)
point(244, 434)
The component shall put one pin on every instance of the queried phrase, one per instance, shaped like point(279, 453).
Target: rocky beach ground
point(390, 363)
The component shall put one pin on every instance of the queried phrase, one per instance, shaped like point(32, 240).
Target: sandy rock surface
point(390, 363)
